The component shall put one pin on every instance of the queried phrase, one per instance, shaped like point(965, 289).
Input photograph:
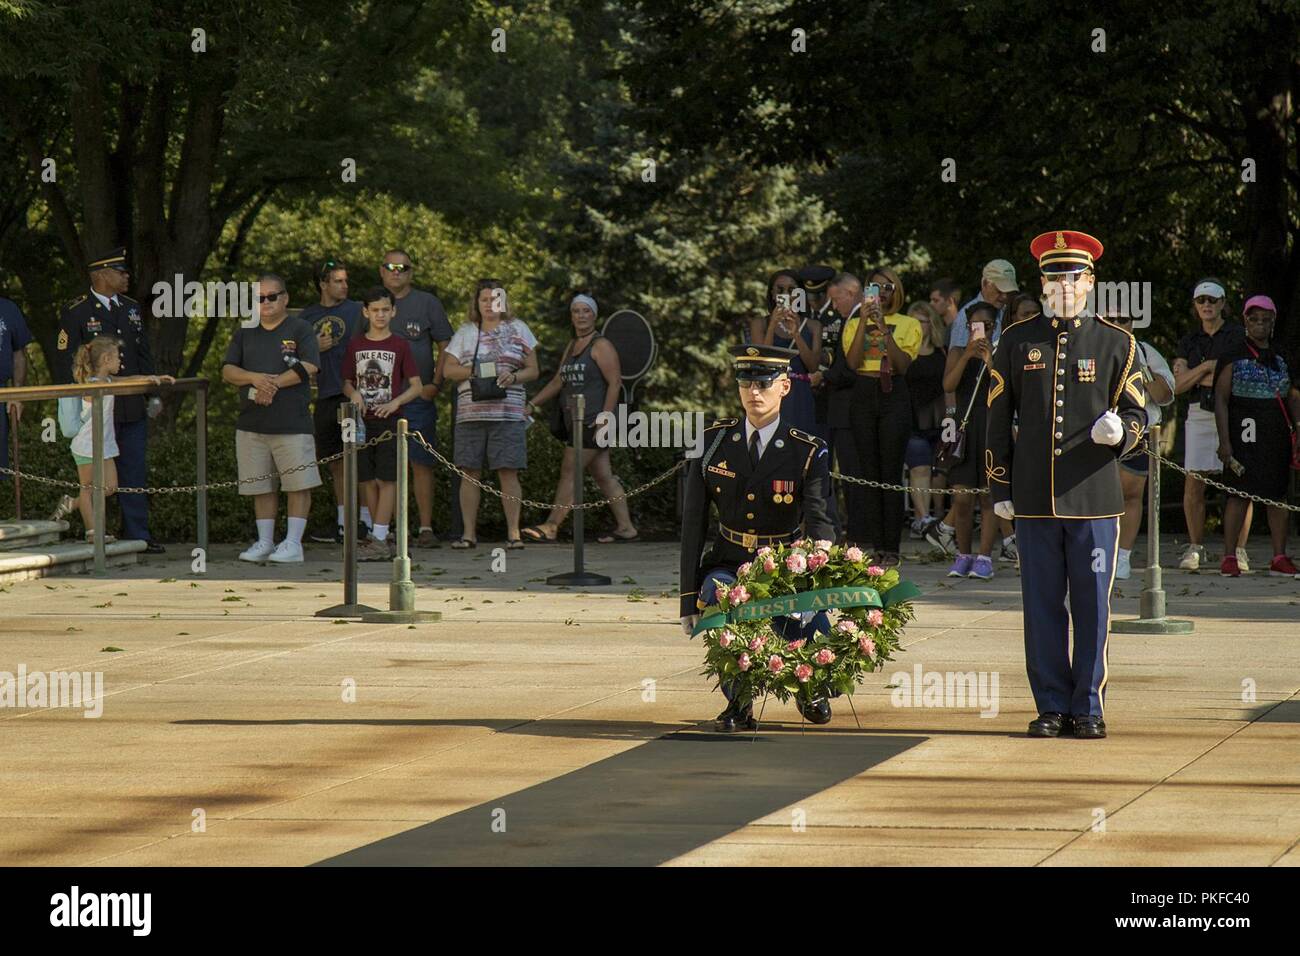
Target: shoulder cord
point(704, 462)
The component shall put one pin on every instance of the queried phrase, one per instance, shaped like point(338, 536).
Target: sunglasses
point(269, 296)
point(1261, 316)
point(1206, 300)
point(397, 266)
point(328, 266)
point(762, 384)
point(1063, 278)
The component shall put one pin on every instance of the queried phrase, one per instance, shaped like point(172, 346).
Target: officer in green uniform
point(768, 481)
point(1076, 384)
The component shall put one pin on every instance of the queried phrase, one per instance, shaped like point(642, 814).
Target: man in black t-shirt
point(271, 364)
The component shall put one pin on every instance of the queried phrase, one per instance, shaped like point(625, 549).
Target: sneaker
point(286, 552)
point(1123, 567)
point(321, 536)
point(941, 537)
point(982, 568)
point(1281, 567)
point(63, 508)
point(391, 541)
point(918, 528)
point(1009, 552)
point(961, 567)
point(1229, 567)
point(372, 550)
point(1243, 560)
point(258, 553)
point(1193, 557)
point(427, 539)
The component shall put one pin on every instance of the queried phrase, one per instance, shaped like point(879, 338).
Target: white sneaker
point(1243, 560)
point(258, 553)
point(1123, 569)
point(286, 552)
point(1192, 557)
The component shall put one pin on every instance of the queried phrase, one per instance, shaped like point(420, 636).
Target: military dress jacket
point(777, 502)
point(1059, 376)
point(86, 318)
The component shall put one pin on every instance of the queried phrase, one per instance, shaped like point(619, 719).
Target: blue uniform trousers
point(132, 472)
point(1062, 557)
point(789, 628)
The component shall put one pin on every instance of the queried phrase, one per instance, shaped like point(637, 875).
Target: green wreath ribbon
point(823, 599)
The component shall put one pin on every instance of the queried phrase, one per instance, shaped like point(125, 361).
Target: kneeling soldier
point(768, 481)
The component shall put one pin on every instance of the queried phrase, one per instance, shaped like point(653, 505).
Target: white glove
point(1004, 509)
point(688, 623)
point(1108, 430)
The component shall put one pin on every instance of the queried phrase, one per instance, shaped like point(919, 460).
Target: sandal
point(535, 533)
point(514, 544)
point(612, 537)
point(464, 544)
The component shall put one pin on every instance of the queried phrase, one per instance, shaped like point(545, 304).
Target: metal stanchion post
point(97, 477)
point(401, 592)
point(348, 412)
point(1151, 607)
point(579, 576)
point(201, 463)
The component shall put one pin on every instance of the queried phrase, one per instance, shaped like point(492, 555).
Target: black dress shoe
point(736, 718)
point(1089, 728)
point(153, 547)
point(1050, 724)
point(817, 711)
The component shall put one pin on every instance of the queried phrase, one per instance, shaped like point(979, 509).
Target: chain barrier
point(601, 502)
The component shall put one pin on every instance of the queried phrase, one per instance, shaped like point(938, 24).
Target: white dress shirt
point(764, 434)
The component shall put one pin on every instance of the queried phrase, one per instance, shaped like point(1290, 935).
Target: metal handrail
point(97, 391)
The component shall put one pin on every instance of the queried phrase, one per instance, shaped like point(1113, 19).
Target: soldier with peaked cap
point(107, 310)
point(768, 482)
point(1075, 382)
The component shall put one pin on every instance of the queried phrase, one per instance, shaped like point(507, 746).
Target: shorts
point(325, 422)
point(259, 454)
point(920, 449)
point(421, 416)
point(1139, 463)
point(504, 444)
point(1201, 442)
point(588, 437)
point(83, 460)
point(378, 462)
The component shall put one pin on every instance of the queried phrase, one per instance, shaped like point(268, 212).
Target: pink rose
point(853, 554)
point(726, 638)
point(739, 595)
point(796, 562)
point(769, 565)
point(823, 544)
point(774, 664)
point(744, 662)
point(764, 551)
point(817, 559)
point(795, 645)
point(867, 645)
point(756, 644)
point(803, 672)
point(721, 593)
point(744, 569)
point(824, 656)
point(875, 571)
point(875, 617)
point(847, 626)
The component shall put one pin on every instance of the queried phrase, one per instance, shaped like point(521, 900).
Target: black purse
point(555, 414)
point(483, 388)
point(950, 454)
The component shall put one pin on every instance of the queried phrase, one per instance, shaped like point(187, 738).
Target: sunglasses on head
point(1206, 300)
point(269, 296)
point(328, 266)
point(396, 266)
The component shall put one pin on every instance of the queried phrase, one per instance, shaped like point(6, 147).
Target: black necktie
point(754, 453)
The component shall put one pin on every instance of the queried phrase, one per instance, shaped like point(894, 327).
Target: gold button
point(1058, 451)
point(718, 489)
point(751, 530)
point(750, 516)
point(750, 497)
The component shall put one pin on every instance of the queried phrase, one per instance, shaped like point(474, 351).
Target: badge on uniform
point(93, 326)
point(1087, 370)
point(783, 492)
point(721, 469)
point(134, 316)
point(63, 341)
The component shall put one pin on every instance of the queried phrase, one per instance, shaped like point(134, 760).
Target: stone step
point(71, 557)
point(24, 535)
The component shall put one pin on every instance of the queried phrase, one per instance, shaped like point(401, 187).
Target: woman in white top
point(1159, 383)
point(98, 361)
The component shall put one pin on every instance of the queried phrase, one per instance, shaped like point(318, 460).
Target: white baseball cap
point(1208, 288)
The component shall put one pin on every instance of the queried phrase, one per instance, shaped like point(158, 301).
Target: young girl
point(98, 361)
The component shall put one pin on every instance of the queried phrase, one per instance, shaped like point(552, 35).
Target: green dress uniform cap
point(762, 362)
point(816, 278)
point(112, 259)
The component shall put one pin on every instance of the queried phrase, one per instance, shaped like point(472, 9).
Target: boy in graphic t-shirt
point(380, 374)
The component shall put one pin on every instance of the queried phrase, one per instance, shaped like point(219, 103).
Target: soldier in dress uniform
point(1076, 384)
point(768, 481)
point(107, 310)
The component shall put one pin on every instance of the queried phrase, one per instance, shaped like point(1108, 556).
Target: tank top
point(582, 376)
